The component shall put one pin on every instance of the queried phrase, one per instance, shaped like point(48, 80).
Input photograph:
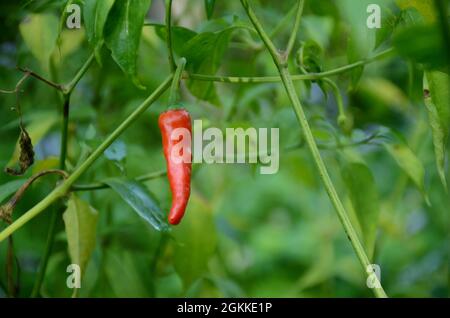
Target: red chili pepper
point(179, 173)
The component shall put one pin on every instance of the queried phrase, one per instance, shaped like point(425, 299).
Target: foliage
point(244, 234)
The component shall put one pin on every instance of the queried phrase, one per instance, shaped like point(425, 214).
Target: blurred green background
point(244, 234)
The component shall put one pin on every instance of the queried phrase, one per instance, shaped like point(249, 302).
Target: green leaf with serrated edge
point(40, 32)
point(437, 101)
point(363, 195)
point(80, 221)
point(95, 16)
point(123, 34)
point(141, 200)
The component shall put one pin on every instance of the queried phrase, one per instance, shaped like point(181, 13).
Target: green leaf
point(125, 275)
point(425, 7)
point(363, 195)
point(437, 101)
point(409, 163)
point(388, 23)
point(80, 220)
point(354, 54)
point(318, 28)
point(209, 7)
point(180, 35)
point(196, 241)
point(123, 33)
point(426, 48)
point(69, 42)
point(10, 188)
point(361, 39)
point(141, 200)
point(64, 15)
point(48, 163)
point(95, 16)
point(310, 57)
point(40, 32)
point(204, 53)
point(320, 271)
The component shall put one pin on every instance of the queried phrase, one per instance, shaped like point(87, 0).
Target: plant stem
point(281, 24)
point(47, 252)
point(62, 189)
point(70, 87)
point(169, 35)
point(290, 46)
point(64, 132)
point(56, 212)
point(276, 79)
point(338, 97)
point(332, 193)
point(42, 79)
point(176, 81)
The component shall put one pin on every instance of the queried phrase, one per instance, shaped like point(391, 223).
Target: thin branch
point(290, 46)
point(7, 209)
point(17, 87)
point(281, 24)
point(264, 37)
point(59, 87)
point(342, 117)
point(277, 79)
point(69, 87)
point(362, 142)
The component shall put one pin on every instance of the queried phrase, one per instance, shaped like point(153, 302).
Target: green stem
point(281, 24)
point(169, 35)
point(64, 132)
point(301, 77)
point(42, 79)
point(56, 210)
point(332, 193)
point(293, 38)
point(62, 190)
point(47, 252)
point(176, 81)
point(67, 91)
point(70, 87)
point(339, 101)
